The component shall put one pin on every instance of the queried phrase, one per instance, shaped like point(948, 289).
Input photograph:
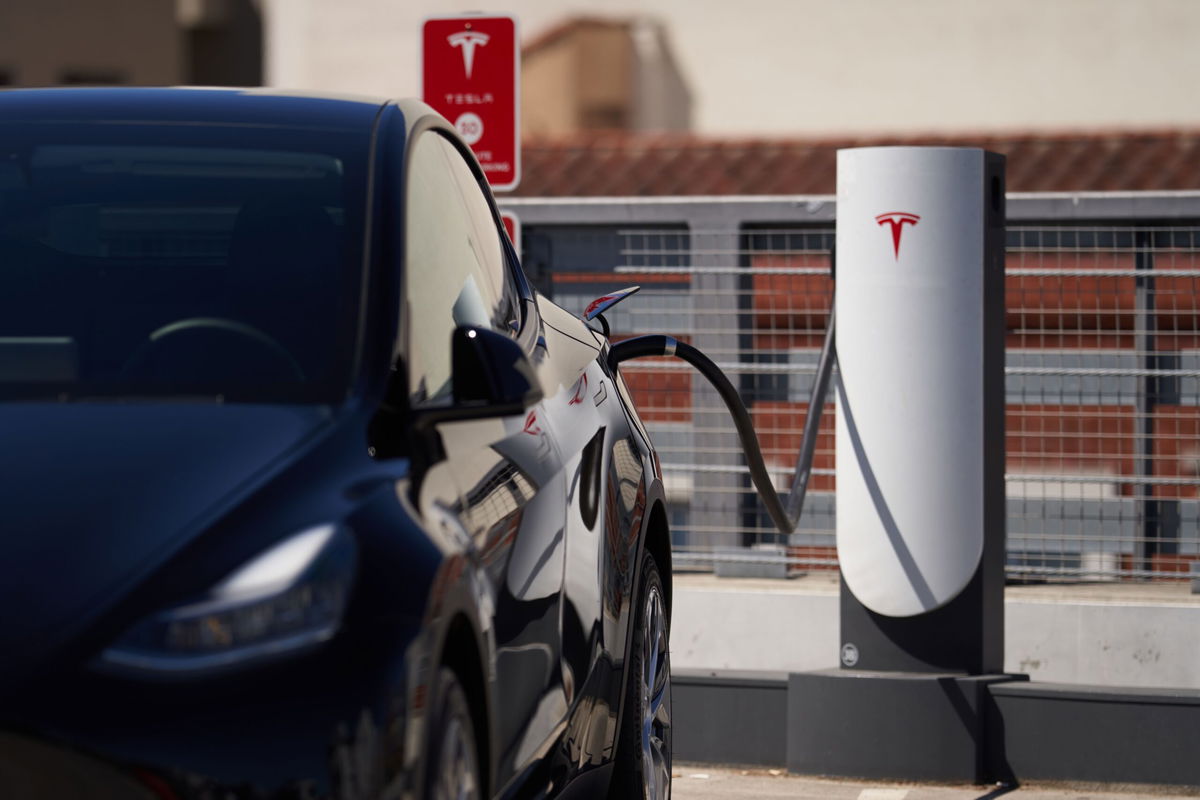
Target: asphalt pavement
point(701, 782)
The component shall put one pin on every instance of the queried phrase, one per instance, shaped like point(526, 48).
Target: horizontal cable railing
point(1102, 386)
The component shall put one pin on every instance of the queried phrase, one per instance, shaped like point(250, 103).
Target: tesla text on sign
point(471, 72)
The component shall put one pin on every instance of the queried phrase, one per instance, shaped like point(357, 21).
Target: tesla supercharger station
point(920, 470)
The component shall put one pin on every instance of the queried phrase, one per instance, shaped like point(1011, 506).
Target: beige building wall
point(813, 66)
point(548, 107)
point(584, 79)
point(662, 96)
point(605, 68)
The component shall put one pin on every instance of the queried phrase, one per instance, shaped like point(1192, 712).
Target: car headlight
point(290, 598)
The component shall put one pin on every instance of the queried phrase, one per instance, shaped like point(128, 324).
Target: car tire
point(643, 768)
point(452, 771)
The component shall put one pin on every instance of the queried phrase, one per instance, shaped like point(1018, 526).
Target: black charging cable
point(658, 345)
point(785, 516)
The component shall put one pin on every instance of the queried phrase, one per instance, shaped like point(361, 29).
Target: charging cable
point(785, 515)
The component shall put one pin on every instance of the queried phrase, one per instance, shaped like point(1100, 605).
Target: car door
point(507, 472)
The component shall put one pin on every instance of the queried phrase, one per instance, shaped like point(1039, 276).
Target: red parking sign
point(512, 225)
point(471, 72)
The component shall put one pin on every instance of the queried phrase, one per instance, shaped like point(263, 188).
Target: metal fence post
point(1144, 328)
point(1158, 518)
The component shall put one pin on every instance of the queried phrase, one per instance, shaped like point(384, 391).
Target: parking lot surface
point(701, 782)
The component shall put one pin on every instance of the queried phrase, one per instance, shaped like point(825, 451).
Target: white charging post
point(920, 406)
point(920, 469)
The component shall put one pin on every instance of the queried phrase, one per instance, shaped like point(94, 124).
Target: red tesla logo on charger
point(897, 219)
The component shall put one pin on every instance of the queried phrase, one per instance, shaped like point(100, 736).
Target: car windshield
point(179, 261)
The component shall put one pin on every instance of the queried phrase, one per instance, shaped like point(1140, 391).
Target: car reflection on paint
point(307, 493)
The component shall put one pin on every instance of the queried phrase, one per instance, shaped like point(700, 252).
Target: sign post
point(471, 75)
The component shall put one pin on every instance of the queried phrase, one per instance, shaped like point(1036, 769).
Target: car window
point(456, 270)
point(177, 260)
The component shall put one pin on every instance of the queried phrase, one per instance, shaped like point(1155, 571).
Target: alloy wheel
point(457, 777)
point(656, 699)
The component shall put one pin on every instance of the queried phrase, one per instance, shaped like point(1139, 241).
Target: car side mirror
point(491, 369)
point(491, 378)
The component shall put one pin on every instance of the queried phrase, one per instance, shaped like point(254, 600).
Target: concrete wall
point(1102, 635)
point(1105, 642)
point(747, 624)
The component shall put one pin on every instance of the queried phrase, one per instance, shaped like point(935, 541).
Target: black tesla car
point(305, 492)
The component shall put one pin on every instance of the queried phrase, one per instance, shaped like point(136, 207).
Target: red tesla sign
point(471, 69)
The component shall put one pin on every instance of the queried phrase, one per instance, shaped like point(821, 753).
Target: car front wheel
point(453, 767)
point(643, 767)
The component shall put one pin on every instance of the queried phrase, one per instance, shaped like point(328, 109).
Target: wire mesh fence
point(1102, 388)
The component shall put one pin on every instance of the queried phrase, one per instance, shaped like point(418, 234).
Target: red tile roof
point(624, 164)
